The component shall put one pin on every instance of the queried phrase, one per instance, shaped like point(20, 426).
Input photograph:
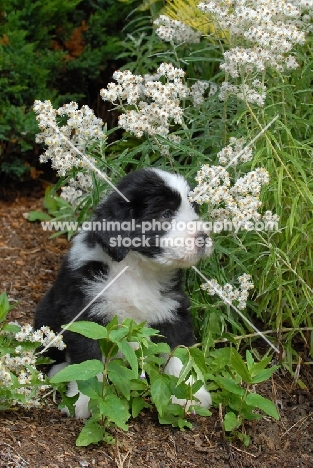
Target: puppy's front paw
point(202, 395)
point(81, 405)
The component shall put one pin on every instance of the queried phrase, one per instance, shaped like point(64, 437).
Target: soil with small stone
point(45, 438)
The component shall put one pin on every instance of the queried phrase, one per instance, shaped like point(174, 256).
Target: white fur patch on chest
point(137, 294)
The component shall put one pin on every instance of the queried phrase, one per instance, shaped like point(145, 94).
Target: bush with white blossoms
point(261, 35)
point(156, 104)
point(235, 201)
point(21, 383)
point(67, 133)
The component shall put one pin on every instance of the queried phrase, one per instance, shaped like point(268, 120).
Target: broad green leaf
point(130, 356)
point(182, 353)
point(120, 376)
point(229, 385)
point(89, 329)
point(263, 404)
point(199, 362)
point(250, 360)
point(138, 404)
point(49, 201)
point(83, 371)
point(112, 408)
point(117, 335)
point(264, 375)
point(91, 433)
point(239, 365)
point(185, 371)
point(231, 422)
point(159, 348)
point(258, 366)
point(202, 411)
point(11, 327)
point(161, 392)
point(91, 388)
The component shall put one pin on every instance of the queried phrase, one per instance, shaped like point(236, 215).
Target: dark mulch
point(45, 438)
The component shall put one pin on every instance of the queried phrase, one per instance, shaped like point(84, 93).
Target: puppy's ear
point(115, 234)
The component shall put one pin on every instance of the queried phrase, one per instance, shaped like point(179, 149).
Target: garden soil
point(43, 438)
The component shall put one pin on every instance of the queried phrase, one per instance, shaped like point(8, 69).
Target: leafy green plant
point(235, 381)
point(131, 378)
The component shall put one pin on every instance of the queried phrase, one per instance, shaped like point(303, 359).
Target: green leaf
point(199, 362)
point(263, 404)
point(239, 365)
point(182, 353)
point(138, 404)
point(91, 388)
point(130, 356)
point(4, 306)
point(91, 433)
point(83, 371)
point(89, 329)
point(11, 327)
point(112, 407)
point(185, 371)
point(229, 385)
point(202, 411)
point(264, 375)
point(49, 201)
point(250, 360)
point(118, 335)
point(159, 348)
point(120, 376)
point(231, 422)
point(161, 392)
point(38, 216)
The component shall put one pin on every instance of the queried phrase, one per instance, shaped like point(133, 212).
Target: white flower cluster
point(81, 128)
point(256, 93)
point(156, 104)
point(19, 366)
point(172, 30)
point(198, 89)
point(45, 336)
point(262, 34)
point(235, 152)
point(238, 203)
point(76, 188)
point(228, 293)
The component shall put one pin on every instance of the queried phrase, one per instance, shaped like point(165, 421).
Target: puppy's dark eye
point(167, 214)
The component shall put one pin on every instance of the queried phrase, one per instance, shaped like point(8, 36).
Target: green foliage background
point(54, 50)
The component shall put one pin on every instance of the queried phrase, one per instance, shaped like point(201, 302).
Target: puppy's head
point(157, 221)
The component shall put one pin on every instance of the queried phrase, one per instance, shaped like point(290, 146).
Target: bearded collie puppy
point(148, 225)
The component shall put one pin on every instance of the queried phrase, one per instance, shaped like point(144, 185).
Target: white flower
point(228, 293)
point(176, 31)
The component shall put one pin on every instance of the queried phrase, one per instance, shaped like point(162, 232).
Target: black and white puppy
point(155, 233)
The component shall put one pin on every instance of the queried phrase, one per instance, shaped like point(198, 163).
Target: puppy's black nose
point(202, 236)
